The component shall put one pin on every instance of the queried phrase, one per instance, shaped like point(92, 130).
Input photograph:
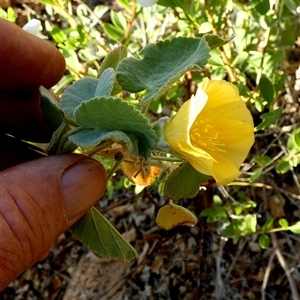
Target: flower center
point(204, 135)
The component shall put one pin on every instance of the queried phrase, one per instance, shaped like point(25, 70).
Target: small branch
point(266, 276)
point(219, 285)
point(131, 20)
point(294, 290)
point(260, 70)
point(227, 63)
point(163, 158)
point(114, 169)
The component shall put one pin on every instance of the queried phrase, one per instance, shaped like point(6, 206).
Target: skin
point(40, 197)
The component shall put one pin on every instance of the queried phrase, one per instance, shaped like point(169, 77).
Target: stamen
point(206, 137)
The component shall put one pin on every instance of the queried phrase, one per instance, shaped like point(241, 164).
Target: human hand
point(42, 198)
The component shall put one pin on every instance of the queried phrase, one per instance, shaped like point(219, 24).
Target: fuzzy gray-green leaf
point(162, 64)
point(108, 114)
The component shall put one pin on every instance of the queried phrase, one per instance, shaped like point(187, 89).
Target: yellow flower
point(213, 130)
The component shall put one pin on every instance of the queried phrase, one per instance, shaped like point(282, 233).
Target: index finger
point(26, 61)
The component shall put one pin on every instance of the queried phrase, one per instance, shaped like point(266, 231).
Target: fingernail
point(83, 184)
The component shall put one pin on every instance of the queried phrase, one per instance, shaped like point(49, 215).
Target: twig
point(219, 288)
point(233, 263)
point(131, 20)
point(230, 70)
point(295, 294)
point(266, 276)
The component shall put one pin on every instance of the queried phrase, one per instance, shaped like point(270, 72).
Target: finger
point(39, 201)
point(21, 117)
point(26, 63)
point(26, 60)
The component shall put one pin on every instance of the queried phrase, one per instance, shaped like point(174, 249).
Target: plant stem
point(227, 63)
point(131, 20)
point(114, 169)
point(144, 108)
point(163, 158)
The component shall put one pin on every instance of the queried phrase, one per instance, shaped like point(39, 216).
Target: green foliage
point(95, 231)
point(54, 116)
point(293, 143)
point(234, 221)
point(264, 241)
point(161, 66)
point(8, 15)
point(162, 54)
point(184, 182)
point(269, 119)
point(89, 118)
point(112, 115)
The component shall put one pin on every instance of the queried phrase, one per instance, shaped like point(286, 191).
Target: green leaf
point(98, 234)
point(118, 19)
point(215, 41)
point(65, 81)
point(8, 15)
point(110, 114)
point(295, 228)
point(205, 27)
point(58, 35)
point(105, 83)
point(266, 89)
point(291, 5)
point(65, 144)
point(60, 142)
point(55, 139)
point(256, 174)
point(184, 182)
point(263, 160)
point(125, 4)
point(52, 113)
point(293, 142)
point(269, 119)
point(262, 7)
point(111, 61)
point(217, 200)
point(91, 138)
point(268, 224)
point(71, 58)
point(158, 127)
point(78, 92)
point(3, 13)
point(50, 2)
point(162, 64)
point(215, 214)
point(229, 230)
point(283, 223)
point(282, 167)
point(264, 241)
point(240, 58)
point(113, 32)
point(215, 59)
point(250, 222)
point(168, 3)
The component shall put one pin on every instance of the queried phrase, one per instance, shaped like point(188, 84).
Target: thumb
point(39, 200)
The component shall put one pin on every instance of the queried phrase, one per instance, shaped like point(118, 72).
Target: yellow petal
point(224, 171)
point(176, 131)
point(230, 111)
point(217, 138)
point(178, 128)
point(198, 158)
point(172, 215)
point(220, 92)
